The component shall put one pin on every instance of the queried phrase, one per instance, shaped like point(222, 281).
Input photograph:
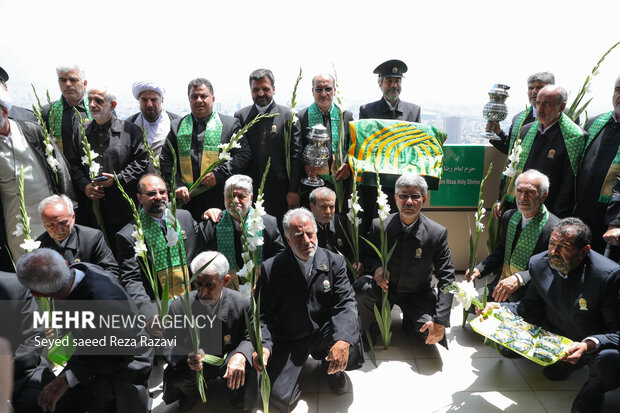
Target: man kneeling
point(210, 299)
point(308, 306)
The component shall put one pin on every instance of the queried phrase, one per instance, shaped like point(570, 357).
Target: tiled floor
point(414, 377)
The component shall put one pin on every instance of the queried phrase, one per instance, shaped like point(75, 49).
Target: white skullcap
point(5, 99)
point(141, 86)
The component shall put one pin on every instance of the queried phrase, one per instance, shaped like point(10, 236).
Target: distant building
point(452, 127)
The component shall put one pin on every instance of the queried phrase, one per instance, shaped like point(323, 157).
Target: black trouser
point(604, 376)
point(288, 358)
point(417, 308)
point(180, 382)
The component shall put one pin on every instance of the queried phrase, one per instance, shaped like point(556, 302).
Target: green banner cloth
point(463, 170)
point(396, 147)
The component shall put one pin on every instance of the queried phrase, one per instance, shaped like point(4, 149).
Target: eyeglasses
point(321, 89)
point(161, 192)
point(405, 197)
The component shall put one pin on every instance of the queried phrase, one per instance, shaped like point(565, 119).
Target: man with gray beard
point(574, 293)
point(120, 150)
point(158, 231)
point(308, 308)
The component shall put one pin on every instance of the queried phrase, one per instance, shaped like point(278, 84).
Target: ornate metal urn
point(495, 110)
point(316, 153)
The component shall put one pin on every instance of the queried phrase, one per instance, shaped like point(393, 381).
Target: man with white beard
point(120, 149)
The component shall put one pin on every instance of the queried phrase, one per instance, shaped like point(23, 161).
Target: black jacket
point(379, 109)
point(85, 244)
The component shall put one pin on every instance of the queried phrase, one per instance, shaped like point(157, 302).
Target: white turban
point(143, 85)
point(5, 99)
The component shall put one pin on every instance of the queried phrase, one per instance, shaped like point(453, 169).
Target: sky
point(455, 50)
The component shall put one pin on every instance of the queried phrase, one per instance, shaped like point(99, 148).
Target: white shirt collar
point(262, 109)
point(390, 105)
point(525, 220)
point(79, 276)
point(543, 131)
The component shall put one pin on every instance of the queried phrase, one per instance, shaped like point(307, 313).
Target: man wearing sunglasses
point(421, 250)
point(159, 233)
point(325, 112)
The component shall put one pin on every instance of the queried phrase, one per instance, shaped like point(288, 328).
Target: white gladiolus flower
point(480, 214)
point(250, 266)
point(255, 242)
point(49, 149)
point(19, 229)
point(170, 220)
point(85, 160)
point(30, 244)
point(172, 237)
point(467, 292)
point(53, 163)
point(384, 207)
point(137, 234)
point(245, 290)
point(510, 171)
point(93, 154)
point(243, 273)
point(479, 226)
point(140, 248)
point(236, 145)
point(225, 156)
point(94, 169)
point(258, 208)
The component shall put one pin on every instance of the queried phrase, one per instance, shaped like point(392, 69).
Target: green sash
point(614, 168)
point(514, 133)
point(518, 259)
point(225, 233)
point(574, 139)
point(210, 150)
point(168, 263)
point(55, 119)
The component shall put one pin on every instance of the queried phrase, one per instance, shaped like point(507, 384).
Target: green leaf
point(389, 254)
point(214, 360)
point(373, 246)
point(265, 390)
point(379, 319)
point(201, 383)
point(371, 350)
